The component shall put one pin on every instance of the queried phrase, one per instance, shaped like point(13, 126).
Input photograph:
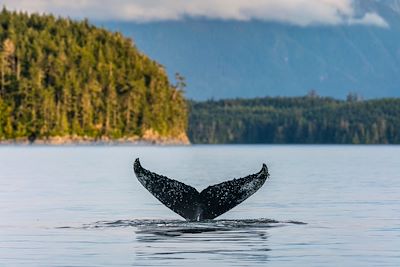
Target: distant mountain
point(227, 59)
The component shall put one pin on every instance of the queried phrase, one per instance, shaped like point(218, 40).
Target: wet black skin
point(206, 205)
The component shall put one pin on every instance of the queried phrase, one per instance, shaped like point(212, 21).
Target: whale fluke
point(206, 205)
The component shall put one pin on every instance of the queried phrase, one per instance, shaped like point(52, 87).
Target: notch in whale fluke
point(209, 203)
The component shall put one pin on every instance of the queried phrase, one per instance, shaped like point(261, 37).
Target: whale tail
point(206, 205)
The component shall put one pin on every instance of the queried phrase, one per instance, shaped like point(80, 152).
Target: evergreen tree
point(305, 120)
point(60, 77)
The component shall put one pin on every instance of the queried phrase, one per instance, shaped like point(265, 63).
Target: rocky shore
point(148, 138)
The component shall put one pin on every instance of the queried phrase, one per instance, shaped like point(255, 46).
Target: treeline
point(295, 120)
point(60, 77)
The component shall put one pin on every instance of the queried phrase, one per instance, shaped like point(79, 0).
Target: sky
point(296, 12)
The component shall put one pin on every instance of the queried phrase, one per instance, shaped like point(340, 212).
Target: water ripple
point(179, 227)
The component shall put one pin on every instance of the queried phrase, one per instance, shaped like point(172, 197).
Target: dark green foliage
point(59, 77)
point(302, 120)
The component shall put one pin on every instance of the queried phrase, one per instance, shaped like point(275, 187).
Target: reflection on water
point(161, 242)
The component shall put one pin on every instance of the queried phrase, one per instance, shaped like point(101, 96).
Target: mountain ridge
point(227, 59)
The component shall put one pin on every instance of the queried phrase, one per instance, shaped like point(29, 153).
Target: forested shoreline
point(69, 80)
point(295, 120)
point(65, 81)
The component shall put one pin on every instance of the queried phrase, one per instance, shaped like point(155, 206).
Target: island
point(64, 81)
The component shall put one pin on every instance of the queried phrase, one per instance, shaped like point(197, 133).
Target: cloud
point(370, 19)
point(297, 12)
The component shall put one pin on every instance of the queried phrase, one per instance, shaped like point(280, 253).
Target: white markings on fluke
point(206, 205)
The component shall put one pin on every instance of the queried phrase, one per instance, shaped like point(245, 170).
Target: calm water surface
point(82, 206)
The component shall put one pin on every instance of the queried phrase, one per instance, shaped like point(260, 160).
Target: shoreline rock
point(146, 139)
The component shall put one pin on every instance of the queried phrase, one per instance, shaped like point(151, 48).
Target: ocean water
point(83, 206)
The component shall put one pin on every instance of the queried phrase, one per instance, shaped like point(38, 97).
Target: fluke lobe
point(206, 205)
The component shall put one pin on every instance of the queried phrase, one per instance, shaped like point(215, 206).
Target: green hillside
point(300, 120)
point(65, 78)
